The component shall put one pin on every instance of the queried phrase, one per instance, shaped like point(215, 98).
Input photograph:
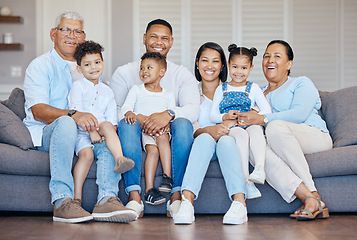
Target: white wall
point(322, 33)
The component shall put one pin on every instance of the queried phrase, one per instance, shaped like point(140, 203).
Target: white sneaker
point(257, 176)
point(186, 213)
point(252, 190)
point(173, 208)
point(236, 214)
point(138, 208)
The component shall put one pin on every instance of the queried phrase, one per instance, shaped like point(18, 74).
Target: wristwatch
point(266, 120)
point(71, 112)
point(172, 114)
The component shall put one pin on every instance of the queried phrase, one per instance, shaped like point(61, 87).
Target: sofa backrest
point(339, 110)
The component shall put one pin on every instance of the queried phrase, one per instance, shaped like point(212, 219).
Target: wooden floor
point(40, 226)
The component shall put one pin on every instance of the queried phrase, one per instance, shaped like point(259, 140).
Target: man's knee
point(127, 128)
point(182, 127)
point(66, 125)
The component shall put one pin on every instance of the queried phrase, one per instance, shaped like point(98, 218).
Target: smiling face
point(66, 45)
point(91, 67)
point(240, 67)
point(151, 71)
point(276, 63)
point(209, 65)
point(158, 39)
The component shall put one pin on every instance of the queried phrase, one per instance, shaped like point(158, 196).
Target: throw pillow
point(16, 102)
point(339, 109)
point(12, 129)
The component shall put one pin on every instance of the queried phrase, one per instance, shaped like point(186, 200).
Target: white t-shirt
point(140, 100)
point(95, 99)
point(177, 79)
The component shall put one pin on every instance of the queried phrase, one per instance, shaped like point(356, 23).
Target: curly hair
point(159, 58)
point(87, 47)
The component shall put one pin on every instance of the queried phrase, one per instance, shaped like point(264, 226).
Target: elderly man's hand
point(86, 121)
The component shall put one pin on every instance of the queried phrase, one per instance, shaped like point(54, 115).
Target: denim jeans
point(226, 152)
point(59, 139)
point(181, 142)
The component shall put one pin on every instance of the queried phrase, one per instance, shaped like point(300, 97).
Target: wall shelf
point(13, 46)
point(10, 19)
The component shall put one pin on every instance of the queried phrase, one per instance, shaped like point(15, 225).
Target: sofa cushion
point(339, 109)
point(335, 162)
point(12, 129)
point(15, 161)
point(16, 102)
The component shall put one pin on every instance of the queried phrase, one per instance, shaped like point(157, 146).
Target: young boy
point(91, 95)
point(142, 101)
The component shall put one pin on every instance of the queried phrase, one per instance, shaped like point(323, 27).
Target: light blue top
point(296, 101)
point(48, 80)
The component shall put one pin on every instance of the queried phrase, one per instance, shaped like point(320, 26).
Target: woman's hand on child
point(95, 137)
point(130, 117)
point(219, 130)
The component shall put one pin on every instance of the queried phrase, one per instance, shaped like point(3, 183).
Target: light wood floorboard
point(206, 227)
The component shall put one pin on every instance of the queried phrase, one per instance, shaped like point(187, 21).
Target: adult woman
point(211, 70)
point(292, 130)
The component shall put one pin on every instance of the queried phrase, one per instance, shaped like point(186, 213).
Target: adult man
point(158, 38)
point(53, 128)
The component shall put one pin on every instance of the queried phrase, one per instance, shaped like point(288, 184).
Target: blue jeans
point(59, 139)
point(203, 149)
point(181, 142)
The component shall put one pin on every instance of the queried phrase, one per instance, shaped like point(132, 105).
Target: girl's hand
point(231, 115)
point(95, 137)
point(130, 117)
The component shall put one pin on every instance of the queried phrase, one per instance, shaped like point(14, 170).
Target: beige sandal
point(320, 213)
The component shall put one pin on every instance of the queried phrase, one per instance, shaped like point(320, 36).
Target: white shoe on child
point(252, 190)
point(186, 213)
point(137, 207)
point(257, 176)
point(172, 208)
point(236, 214)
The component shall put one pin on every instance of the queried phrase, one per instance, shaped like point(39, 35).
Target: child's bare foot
point(123, 164)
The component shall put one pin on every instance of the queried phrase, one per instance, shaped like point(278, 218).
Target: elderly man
point(53, 127)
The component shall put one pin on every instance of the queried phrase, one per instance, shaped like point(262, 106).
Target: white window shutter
point(262, 21)
point(153, 9)
point(316, 37)
point(211, 21)
point(349, 43)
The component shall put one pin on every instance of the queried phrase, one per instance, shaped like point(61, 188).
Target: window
point(322, 33)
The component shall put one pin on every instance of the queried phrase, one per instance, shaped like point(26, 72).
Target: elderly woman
point(212, 140)
point(292, 130)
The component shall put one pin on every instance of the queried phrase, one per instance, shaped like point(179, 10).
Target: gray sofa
point(25, 175)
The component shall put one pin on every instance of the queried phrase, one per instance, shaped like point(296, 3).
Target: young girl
point(240, 95)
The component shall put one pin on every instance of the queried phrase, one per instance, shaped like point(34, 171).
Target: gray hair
point(69, 15)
